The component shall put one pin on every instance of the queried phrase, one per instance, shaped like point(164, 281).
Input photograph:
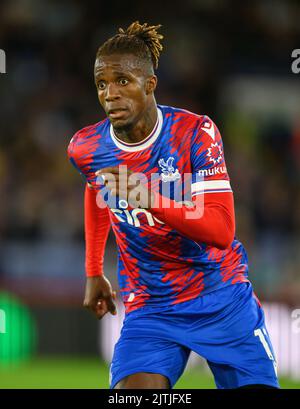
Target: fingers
point(118, 180)
point(103, 306)
point(110, 169)
point(116, 183)
point(111, 305)
point(101, 309)
point(95, 307)
point(114, 172)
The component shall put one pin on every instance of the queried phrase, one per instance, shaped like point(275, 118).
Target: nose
point(112, 92)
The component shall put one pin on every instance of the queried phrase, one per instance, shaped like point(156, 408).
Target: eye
point(123, 81)
point(101, 85)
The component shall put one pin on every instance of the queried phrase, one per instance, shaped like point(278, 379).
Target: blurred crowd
point(216, 53)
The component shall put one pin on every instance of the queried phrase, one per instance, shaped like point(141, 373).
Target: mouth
point(116, 113)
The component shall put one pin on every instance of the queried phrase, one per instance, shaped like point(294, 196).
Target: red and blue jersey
point(157, 265)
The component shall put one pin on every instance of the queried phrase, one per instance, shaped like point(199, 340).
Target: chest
point(169, 156)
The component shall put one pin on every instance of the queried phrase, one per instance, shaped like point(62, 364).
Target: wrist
point(94, 274)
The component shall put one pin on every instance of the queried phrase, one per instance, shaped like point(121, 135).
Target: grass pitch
point(70, 373)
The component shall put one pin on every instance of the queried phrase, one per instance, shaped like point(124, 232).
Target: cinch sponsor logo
point(212, 172)
point(131, 216)
point(2, 62)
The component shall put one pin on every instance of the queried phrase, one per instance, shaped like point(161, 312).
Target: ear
point(151, 83)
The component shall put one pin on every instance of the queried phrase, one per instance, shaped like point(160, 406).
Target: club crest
point(169, 173)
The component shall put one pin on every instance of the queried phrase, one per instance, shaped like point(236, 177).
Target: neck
point(141, 128)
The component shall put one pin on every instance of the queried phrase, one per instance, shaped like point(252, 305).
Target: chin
point(121, 124)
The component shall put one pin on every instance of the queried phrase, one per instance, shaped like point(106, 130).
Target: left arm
point(210, 221)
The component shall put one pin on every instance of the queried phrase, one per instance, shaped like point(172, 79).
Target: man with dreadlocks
point(183, 275)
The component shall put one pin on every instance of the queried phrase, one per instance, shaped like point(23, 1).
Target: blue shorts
point(226, 327)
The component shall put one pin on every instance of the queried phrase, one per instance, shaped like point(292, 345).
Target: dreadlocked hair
point(141, 40)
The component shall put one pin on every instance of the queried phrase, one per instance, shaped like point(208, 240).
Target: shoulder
point(181, 114)
point(200, 127)
point(85, 137)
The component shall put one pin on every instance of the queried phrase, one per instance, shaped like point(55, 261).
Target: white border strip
point(211, 186)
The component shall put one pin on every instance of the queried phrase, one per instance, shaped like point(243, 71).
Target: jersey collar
point(145, 143)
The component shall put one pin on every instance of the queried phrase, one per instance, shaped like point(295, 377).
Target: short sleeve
point(80, 155)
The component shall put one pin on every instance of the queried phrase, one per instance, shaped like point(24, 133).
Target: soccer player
point(183, 275)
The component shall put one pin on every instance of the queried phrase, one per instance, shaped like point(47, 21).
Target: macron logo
point(208, 127)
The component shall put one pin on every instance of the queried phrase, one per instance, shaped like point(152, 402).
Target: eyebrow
point(121, 72)
point(98, 72)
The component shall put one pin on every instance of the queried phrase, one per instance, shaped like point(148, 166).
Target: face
point(125, 88)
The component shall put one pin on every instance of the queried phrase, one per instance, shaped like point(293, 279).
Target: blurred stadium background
point(228, 59)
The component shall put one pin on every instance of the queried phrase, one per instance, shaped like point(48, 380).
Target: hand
point(127, 185)
point(99, 296)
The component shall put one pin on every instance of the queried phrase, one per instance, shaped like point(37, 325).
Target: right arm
point(98, 292)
